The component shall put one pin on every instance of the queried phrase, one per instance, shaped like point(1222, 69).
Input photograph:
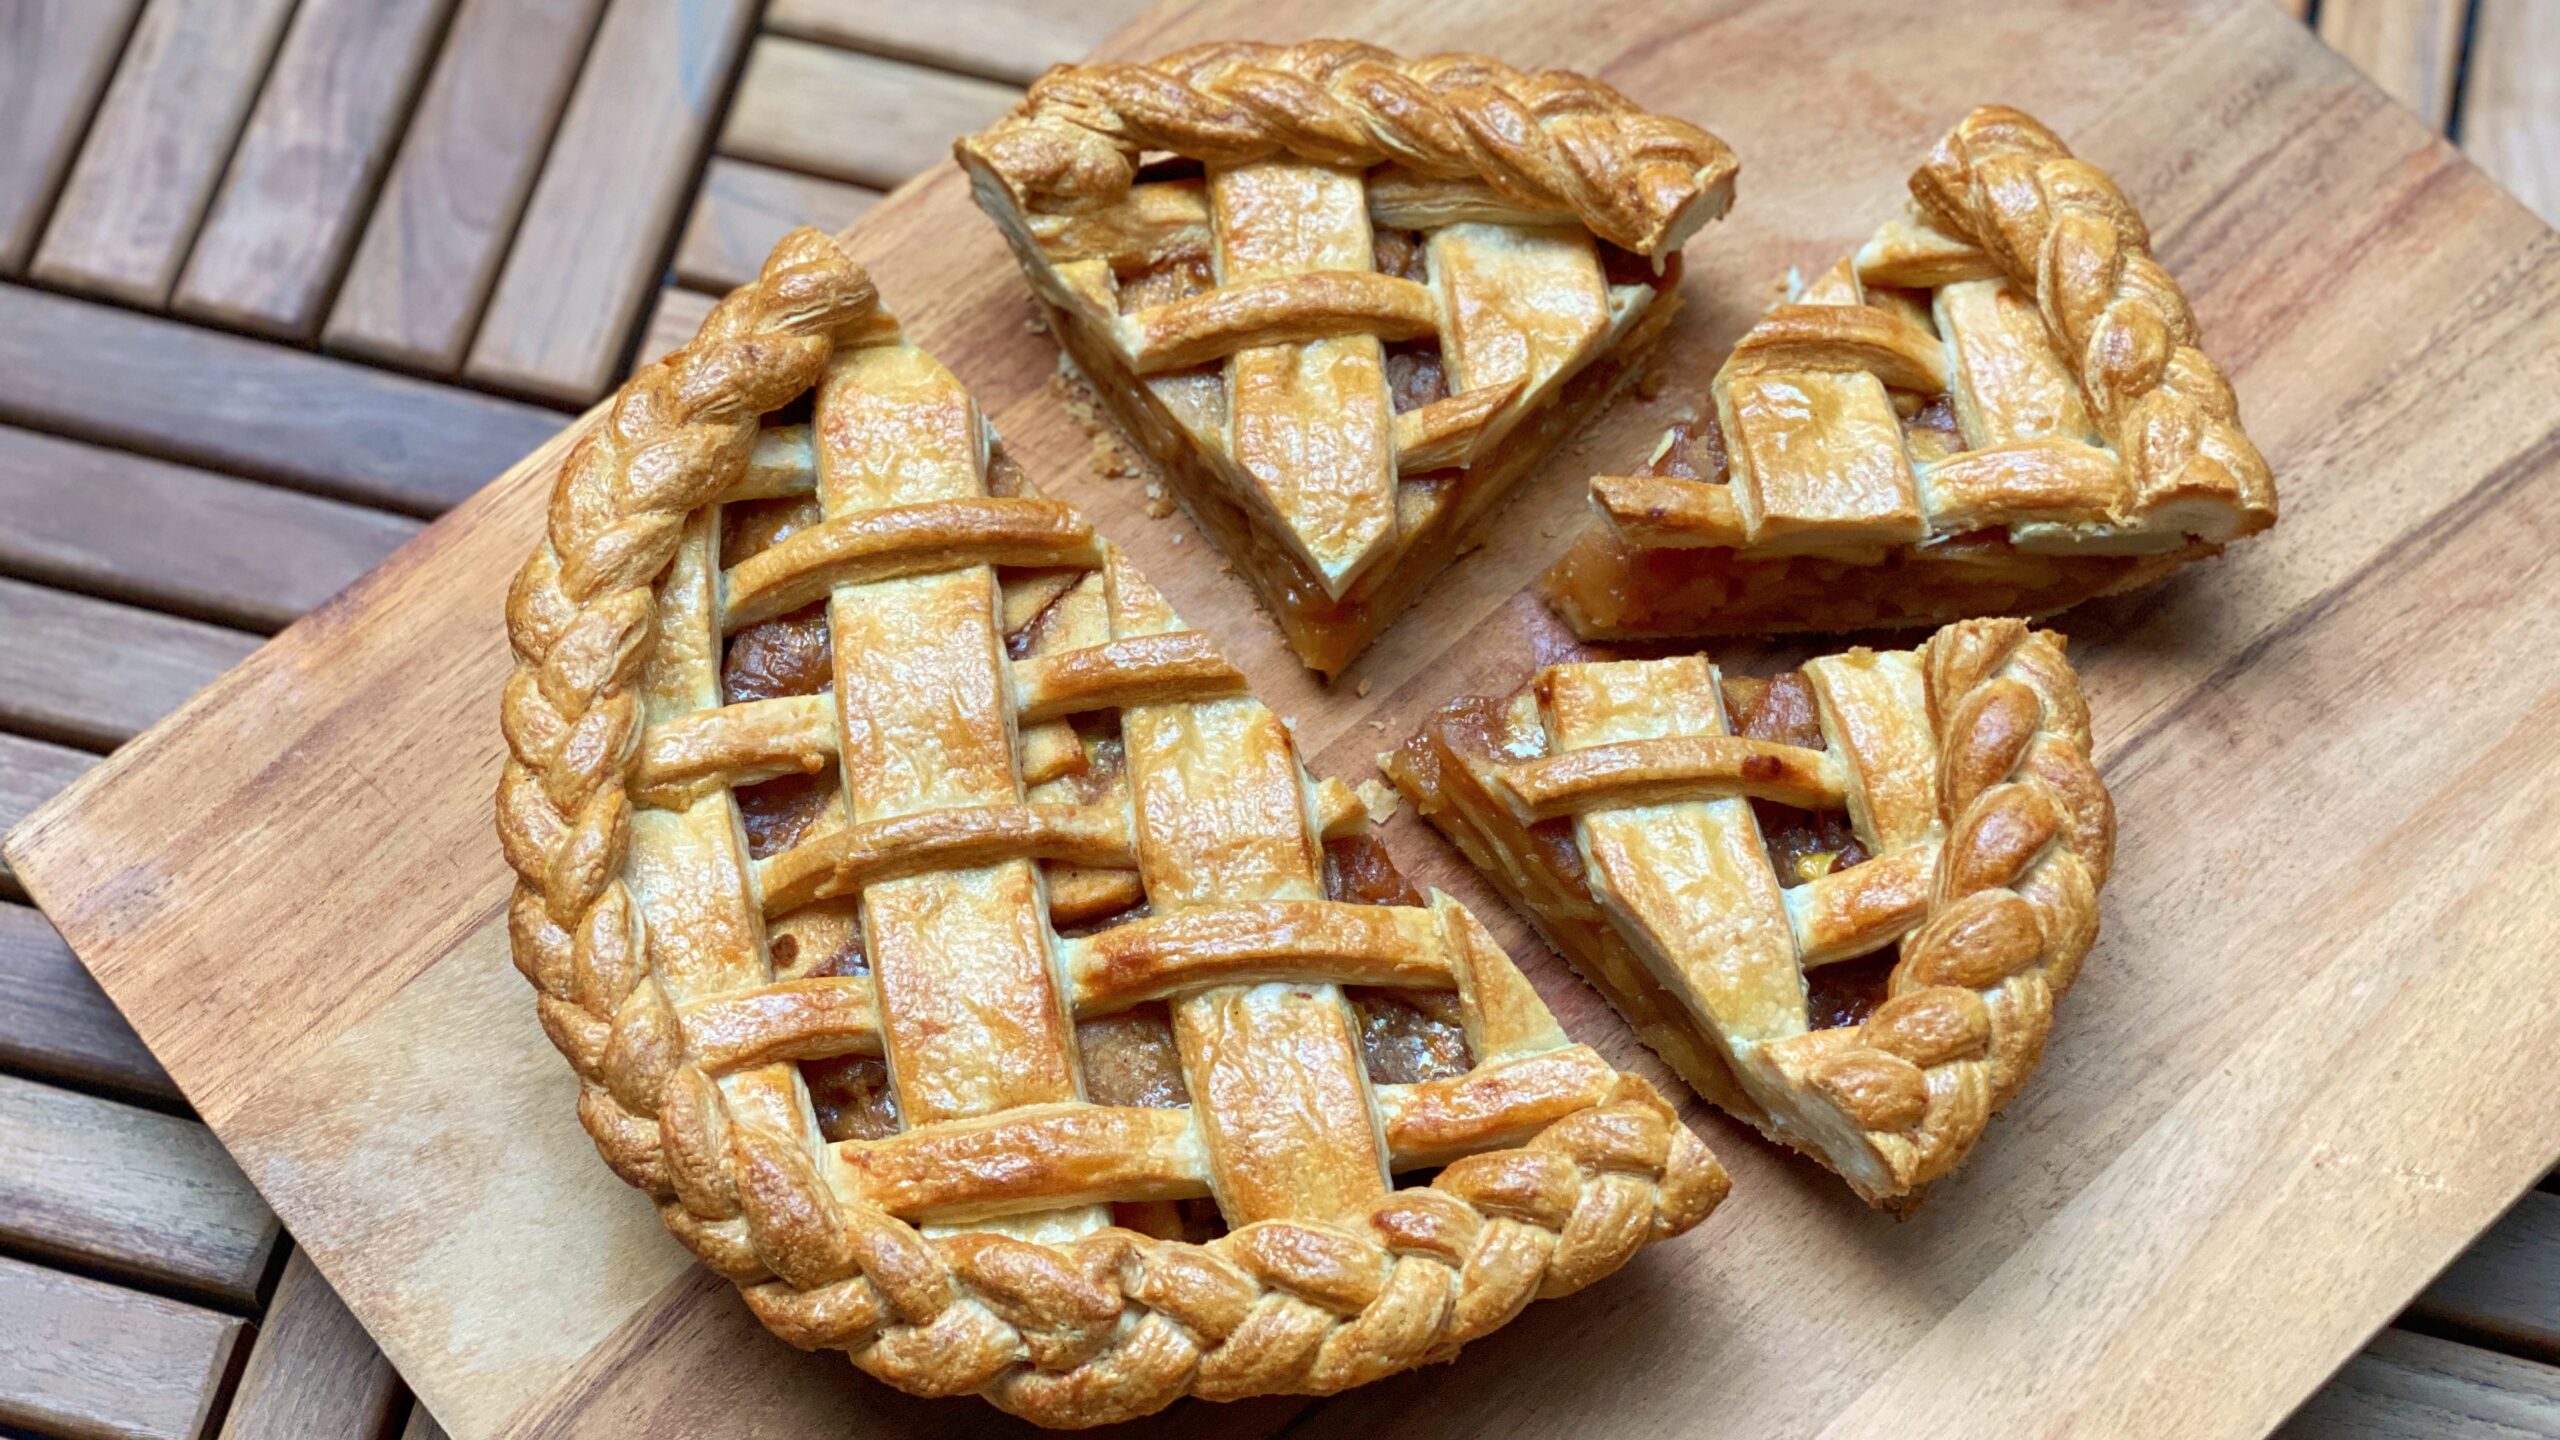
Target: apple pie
point(957, 953)
point(1997, 406)
point(1346, 301)
point(1841, 903)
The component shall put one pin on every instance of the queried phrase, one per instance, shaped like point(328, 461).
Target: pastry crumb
point(1380, 798)
point(1159, 504)
point(1106, 458)
point(1362, 688)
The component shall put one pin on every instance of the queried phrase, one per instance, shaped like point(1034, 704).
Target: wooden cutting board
point(2310, 1058)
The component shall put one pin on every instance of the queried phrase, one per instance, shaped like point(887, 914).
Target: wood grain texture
point(91, 1359)
point(2511, 100)
point(251, 408)
point(312, 1375)
point(2501, 1292)
point(57, 1024)
point(295, 196)
point(32, 772)
point(422, 1426)
point(2410, 1387)
point(106, 1186)
point(2411, 48)
point(175, 538)
point(672, 321)
point(416, 287)
point(856, 118)
point(2282, 1053)
point(54, 59)
point(157, 146)
point(744, 208)
point(93, 673)
point(1009, 40)
point(595, 234)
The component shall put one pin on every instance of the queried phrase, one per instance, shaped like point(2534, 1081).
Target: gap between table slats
point(247, 407)
point(440, 230)
point(157, 147)
point(1007, 40)
point(55, 57)
point(133, 1195)
point(313, 1373)
point(128, 528)
point(600, 226)
point(57, 1024)
point(304, 172)
point(104, 1360)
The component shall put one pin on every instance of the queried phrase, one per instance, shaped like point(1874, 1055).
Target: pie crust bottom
point(1326, 633)
point(1608, 589)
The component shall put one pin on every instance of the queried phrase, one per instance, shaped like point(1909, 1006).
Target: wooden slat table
point(156, 147)
point(280, 280)
point(327, 115)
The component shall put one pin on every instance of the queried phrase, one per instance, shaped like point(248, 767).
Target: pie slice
point(1346, 301)
point(1841, 903)
point(958, 954)
point(1997, 406)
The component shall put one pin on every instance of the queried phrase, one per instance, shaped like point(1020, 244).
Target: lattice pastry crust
point(1054, 847)
point(1716, 855)
point(1346, 300)
point(1998, 406)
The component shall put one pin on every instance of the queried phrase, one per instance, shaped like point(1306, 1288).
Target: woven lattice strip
point(1011, 727)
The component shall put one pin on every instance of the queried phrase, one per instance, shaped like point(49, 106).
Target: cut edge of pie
point(1346, 301)
point(1997, 406)
point(1734, 863)
point(933, 920)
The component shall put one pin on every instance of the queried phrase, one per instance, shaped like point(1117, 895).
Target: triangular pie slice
point(1998, 406)
point(1841, 902)
point(959, 955)
point(1346, 301)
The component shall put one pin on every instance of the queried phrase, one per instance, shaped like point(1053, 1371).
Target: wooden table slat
point(92, 673)
point(595, 233)
point(177, 538)
point(745, 207)
point(142, 1195)
point(2506, 1287)
point(415, 290)
point(2411, 48)
point(422, 1426)
point(249, 407)
point(87, 1358)
point(856, 118)
point(2413, 1387)
point(294, 199)
point(672, 321)
point(313, 1372)
point(2511, 100)
point(157, 146)
point(54, 1020)
point(32, 772)
point(54, 59)
point(1011, 40)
